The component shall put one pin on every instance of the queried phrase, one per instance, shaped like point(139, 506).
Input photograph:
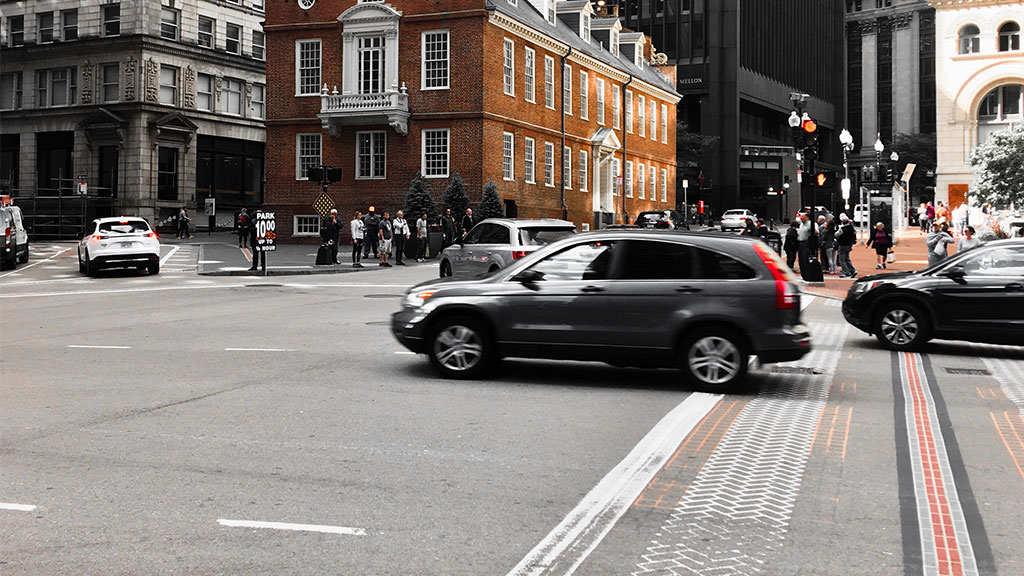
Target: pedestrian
point(372, 222)
point(960, 216)
point(242, 227)
point(447, 229)
point(937, 241)
point(882, 242)
point(749, 228)
point(330, 233)
point(257, 255)
point(804, 237)
point(183, 222)
point(929, 217)
point(358, 230)
point(846, 237)
point(401, 230)
point(968, 241)
point(384, 236)
point(422, 228)
point(941, 213)
point(791, 245)
point(922, 217)
point(828, 246)
point(762, 229)
point(467, 222)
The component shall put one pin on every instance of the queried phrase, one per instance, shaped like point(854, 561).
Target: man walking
point(401, 230)
point(330, 233)
point(846, 237)
point(183, 221)
point(242, 227)
point(790, 246)
point(467, 222)
point(422, 228)
point(372, 223)
point(357, 228)
point(447, 228)
point(385, 235)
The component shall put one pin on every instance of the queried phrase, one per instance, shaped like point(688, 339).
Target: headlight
point(862, 287)
point(417, 298)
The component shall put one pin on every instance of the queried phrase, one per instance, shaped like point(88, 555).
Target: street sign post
point(266, 235)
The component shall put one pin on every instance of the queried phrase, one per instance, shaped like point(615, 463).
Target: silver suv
point(649, 298)
point(495, 243)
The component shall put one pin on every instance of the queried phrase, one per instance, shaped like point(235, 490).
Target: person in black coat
point(372, 223)
point(330, 232)
point(749, 229)
point(447, 228)
point(467, 222)
point(256, 254)
point(791, 245)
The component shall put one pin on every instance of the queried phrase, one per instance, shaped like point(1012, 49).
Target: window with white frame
point(629, 111)
point(371, 154)
point(613, 45)
point(551, 12)
point(616, 107)
point(371, 64)
point(307, 67)
point(641, 179)
point(111, 16)
point(10, 91)
point(567, 90)
point(529, 73)
point(306, 225)
point(529, 164)
point(168, 85)
point(110, 83)
point(231, 96)
point(664, 123)
point(169, 23)
point(204, 92)
point(549, 82)
point(549, 164)
point(628, 179)
point(69, 25)
point(207, 28)
point(653, 182)
point(435, 153)
point(258, 105)
point(508, 84)
point(585, 26)
point(654, 120)
point(435, 60)
point(508, 159)
point(641, 111)
point(600, 101)
point(259, 45)
point(616, 174)
point(45, 28)
point(233, 38)
point(258, 4)
point(513, 2)
point(664, 185)
point(307, 154)
point(16, 31)
point(567, 167)
point(584, 170)
point(584, 95)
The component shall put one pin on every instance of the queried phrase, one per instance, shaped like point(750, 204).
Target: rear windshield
point(650, 217)
point(124, 227)
point(540, 236)
point(735, 212)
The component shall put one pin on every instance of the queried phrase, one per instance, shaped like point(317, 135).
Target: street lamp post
point(847, 141)
point(686, 204)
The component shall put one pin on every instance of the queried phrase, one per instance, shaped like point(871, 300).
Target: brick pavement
point(911, 255)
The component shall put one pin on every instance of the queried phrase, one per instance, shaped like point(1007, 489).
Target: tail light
point(7, 236)
point(151, 234)
point(517, 254)
point(95, 238)
point(786, 294)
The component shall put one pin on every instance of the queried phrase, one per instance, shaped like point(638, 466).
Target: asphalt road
point(186, 425)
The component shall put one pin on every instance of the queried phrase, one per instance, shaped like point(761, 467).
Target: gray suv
point(495, 243)
point(646, 298)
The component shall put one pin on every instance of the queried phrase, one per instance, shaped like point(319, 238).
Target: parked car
point(736, 219)
point(666, 219)
point(119, 242)
point(14, 244)
point(976, 295)
point(702, 303)
point(495, 243)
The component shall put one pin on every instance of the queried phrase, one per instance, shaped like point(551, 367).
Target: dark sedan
point(977, 295)
point(626, 297)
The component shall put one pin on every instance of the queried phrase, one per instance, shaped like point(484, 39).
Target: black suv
point(975, 295)
point(655, 298)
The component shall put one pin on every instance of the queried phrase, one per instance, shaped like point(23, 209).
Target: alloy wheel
point(714, 360)
point(458, 348)
point(899, 327)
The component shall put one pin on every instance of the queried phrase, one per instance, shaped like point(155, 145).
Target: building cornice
point(961, 4)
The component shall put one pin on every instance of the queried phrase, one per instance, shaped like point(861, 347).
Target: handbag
point(890, 257)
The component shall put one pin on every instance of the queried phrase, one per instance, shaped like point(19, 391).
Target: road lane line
point(18, 507)
point(36, 263)
point(100, 347)
point(295, 527)
point(259, 349)
point(116, 291)
point(169, 254)
point(568, 544)
point(404, 352)
point(805, 301)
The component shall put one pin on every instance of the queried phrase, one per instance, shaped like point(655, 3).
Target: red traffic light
point(700, 206)
point(810, 126)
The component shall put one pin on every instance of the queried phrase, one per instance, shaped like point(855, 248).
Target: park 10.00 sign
point(266, 232)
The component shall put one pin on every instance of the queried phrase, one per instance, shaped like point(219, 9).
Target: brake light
point(7, 236)
point(95, 238)
point(517, 254)
point(151, 234)
point(786, 295)
point(122, 221)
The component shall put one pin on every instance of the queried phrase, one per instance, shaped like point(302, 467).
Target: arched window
point(1000, 109)
point(970, 39)
point(1009, 37)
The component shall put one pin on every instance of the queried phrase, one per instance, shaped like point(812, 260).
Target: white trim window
point(530, 73)
point(641, 179)
point(641, 111)
point(231, 96)
point(45, 27)
point(664, 185)
point(584, 170)
point(434, 60)
point(616, 173)
point(10, 90)
point(371, 154)
point(513, 2)
point(613, 45)
point(372, 54)
point(232, 38)
point(549, 164)
point(169, 85)
point(307, 154)
point(585, 95)
point(258, 105)
point(629, 111)
point(664, 124)
point(259, 45)
point(653, 182)
point(111, 16)
point(169, 18)
point(508, 156)
point(16, 31)
point(110, 82)
point(207, 32)
point(600, 101)
point(585, 26)
point(205, 99)
point(628, 179)
point(434, 152)
point(551, 12)
point(258, 5)
point(508, 83)
point(567, 90)
point(529, 164)
point(307, 67)
point(616, 107)
point(654, 120)
point(549, 82)
point(69, 25)
point(567, 167)
point(306, 225)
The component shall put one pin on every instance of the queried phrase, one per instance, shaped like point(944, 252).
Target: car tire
point(24, 257)
point(91, 268)
point(154, 267)
point(81, 264)
point(902, 326)
point(493, 269)
point(446, 269)
point(714, 360)
point(460, 347)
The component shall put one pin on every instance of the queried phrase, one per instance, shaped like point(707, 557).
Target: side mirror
point(529, 276)
point(954, 273)
point(461, 240)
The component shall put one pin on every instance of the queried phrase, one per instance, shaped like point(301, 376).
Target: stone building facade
point(151, 104)
point(980, 71)
point(537, 96)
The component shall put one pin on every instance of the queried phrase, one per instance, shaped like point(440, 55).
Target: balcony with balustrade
point(339, 110)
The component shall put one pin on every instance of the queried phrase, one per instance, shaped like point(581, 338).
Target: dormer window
point(585, 26)
point(513, 2)
point(551, 12)
point(613, 46)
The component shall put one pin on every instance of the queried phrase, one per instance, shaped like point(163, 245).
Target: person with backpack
point(846, 237)
point(372, 223)
point(242, 227)
point(385, 234)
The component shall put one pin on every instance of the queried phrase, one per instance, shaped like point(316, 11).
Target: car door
point(988, 297)
point(495, 241)
point(462, 264)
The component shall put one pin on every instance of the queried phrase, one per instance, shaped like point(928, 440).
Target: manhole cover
point(382, 296)
point(968, 371)
point(379, 323)
point(794, 370)
point(263, 285)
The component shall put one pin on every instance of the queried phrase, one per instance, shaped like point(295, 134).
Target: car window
point(713, 265)
point(1002, 261)
point(590, 261)
point(124, 227)
point(474, 235)
point(650, 260)
point(495, 234)
point(537, 236)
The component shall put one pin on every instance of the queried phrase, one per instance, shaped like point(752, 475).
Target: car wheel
point(460, 347)
point(714, 360)
point(901, 326)
point(81, 264)
point(446, 269)
point(24, 257)
point(154, 267)
point(91, 268)
point(493, 269)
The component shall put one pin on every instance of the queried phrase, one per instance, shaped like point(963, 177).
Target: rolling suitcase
point(323, 255)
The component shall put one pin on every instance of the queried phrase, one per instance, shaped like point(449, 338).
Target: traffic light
point(822, 179)
point(785, 185)
point(700, 206)
point(810, 130)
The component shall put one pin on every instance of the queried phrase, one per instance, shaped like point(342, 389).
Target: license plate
point(126, 244)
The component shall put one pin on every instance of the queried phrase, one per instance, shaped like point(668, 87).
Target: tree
point(455, 197)
point(690, 146)
point(490, 205)
point(997, 163)
point(418, 200)
point(917, 149)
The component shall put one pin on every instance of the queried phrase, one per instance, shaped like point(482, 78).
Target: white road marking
point(169, 254)
point(117, 291)
point(100, 347)
point(805, 301)
point(211, 262)
point(18, 507)
point(404, 352)
point(27, 266)
point(568, 545)
point(259, 349)
point(296, 527)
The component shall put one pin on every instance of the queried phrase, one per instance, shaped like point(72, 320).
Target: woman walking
point(882, 241)
point(937, 240)
point(968, 241)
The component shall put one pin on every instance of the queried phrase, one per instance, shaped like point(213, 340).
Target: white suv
point(119, 242)
point(736, 218)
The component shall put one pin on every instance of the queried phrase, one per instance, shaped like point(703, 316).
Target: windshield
point(124, 227)
point(736, 213)
point(540, 236)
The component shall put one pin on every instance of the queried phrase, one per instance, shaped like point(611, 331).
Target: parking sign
point(266, 232)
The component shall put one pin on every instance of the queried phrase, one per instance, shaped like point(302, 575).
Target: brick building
point(529, 94)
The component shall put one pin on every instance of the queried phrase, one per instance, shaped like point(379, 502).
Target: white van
point(860, 215)
point(14, 242)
